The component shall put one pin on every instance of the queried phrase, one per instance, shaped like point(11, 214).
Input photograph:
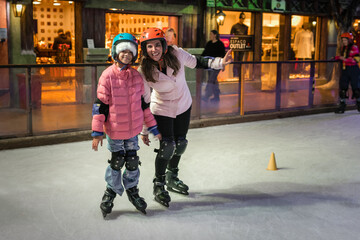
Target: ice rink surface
point(54, 192)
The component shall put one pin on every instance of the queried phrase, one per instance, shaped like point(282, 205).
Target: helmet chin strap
point(159, 62)
point(124, 65)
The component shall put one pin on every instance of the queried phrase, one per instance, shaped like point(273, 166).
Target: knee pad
point(132, 163)
point(342, 93)
point(356, 93)
point(166, 150)
point(117, 160)
point(181, 144)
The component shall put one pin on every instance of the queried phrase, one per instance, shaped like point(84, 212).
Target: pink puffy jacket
point(350, 60)
point(122, 91)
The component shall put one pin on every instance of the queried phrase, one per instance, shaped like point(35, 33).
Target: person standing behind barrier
point(239, 29)
point(68, 36)
point(350, 72)
point(170, 37)
point(61, 45)
point(213, 48)
point(163, 68)
point(120, 109)
point(60, 39)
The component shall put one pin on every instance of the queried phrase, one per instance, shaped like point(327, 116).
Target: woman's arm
point(192, 61)
point(215, 63)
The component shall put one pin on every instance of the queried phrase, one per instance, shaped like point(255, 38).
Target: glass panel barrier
point(259, 87)
point(219, 93)
point(62, 96)
point(326, 85)
point(14, 102)
point(191, 75)
point(295, 80)
point(66, 98)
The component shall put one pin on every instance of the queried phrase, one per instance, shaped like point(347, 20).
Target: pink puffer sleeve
point(97, 123)
point(103, 94)
point(149, 118)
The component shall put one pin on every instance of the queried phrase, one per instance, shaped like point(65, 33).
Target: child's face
point(126, 56)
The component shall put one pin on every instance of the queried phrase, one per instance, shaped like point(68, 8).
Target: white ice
point(54, 192)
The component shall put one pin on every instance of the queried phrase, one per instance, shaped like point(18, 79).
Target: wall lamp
point(220, 17)
point(18, 8)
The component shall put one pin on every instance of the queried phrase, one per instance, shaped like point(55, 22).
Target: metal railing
point(45, 99)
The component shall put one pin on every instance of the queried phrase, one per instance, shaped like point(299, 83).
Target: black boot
point(161, 195)
point(173, 183)
point(107, 201)
point(358, 105)
point(136, 200)
point(341, 108)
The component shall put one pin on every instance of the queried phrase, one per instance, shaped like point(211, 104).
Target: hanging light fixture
point(18, 8)
point(220, 17)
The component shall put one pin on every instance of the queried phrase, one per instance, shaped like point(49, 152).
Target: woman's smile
point(154, 49)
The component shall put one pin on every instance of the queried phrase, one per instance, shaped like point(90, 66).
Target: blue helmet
point(124, 37)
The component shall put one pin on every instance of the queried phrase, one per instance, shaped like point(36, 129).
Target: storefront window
point(302, 37)
point(270, 37)
point(232, 18)
point(48, 20)
point(303, 34)
point(236, 23)
point(135, 24)
point(356, 32)
point(270, 50)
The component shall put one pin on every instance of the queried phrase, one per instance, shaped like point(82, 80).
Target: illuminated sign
point(242, 43)
point(278, 5)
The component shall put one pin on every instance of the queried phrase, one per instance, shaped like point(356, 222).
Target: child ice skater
point(120, 110)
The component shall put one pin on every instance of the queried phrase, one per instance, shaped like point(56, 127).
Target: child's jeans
point(129, 178)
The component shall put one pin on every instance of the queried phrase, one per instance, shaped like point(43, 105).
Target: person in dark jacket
point(60, 39)
point(68, 36)
point(213, 48)
point(239, 29)
point(62, 45)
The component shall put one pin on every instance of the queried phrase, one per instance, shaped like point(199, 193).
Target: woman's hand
point(228, 58)
point(159, 136)
point(145, 139)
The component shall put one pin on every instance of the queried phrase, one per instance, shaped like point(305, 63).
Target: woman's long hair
point(347, 48)
point(148, 65)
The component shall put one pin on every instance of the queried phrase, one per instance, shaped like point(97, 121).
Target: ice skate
point(161, 195)
point(107, 202)
point(174, 184)
point(136, 200)
point(341, 108)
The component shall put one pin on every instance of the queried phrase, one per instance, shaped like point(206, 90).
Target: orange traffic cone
point(272, 163)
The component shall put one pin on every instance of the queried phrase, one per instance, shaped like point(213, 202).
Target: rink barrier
point(25, 112)
point(84, 135)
